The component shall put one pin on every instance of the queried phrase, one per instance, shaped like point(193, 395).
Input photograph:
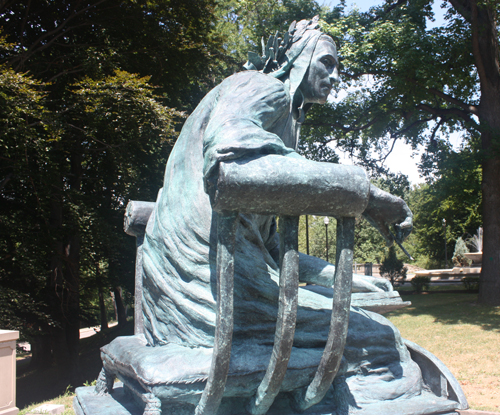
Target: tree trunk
point(41, 351)
point(489, 288)
point(102, 308)
point(486, 50)
point(72, 277)
point(64, 279)
point(64, 300)
point(120, 308)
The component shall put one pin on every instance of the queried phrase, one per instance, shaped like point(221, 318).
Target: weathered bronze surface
point(226, 328)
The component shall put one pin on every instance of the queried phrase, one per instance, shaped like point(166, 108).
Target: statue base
point(119, 402)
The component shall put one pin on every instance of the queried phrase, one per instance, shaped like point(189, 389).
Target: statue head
point(297, 58)
point(321, 72)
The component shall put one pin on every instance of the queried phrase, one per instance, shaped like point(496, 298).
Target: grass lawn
point(463, 335)
point(65, 399)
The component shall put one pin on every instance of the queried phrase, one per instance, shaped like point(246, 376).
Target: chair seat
point(176, 371)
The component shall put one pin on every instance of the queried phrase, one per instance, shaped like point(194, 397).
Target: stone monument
point(224, 327)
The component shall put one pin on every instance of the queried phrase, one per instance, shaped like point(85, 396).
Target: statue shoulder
point(255, 81)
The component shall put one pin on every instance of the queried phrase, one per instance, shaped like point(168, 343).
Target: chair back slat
point(337, 335)
point(287, 317)
point(214, 389)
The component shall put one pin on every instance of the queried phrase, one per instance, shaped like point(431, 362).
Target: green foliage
point(118, 131)
point(471, 284)
point(317, 237)
point(393, 268)
point(459, 260)
point(23, 250)
point(420, 283)
point(369, 245)
point(171, 41)
point(453, 193)
point(398, 69)
point(85, 132)
point(406, 81)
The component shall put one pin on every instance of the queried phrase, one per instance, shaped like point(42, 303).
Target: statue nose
point(334, 76)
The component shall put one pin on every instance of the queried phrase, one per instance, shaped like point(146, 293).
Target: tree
point(459, 259)
point(317, 233)
point(453, 194)
point(424, 84)
point(242, 24)
point(85, 135)
point(22, 246)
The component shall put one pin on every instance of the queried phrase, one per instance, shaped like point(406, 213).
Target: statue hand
point(384, 210)
point(363, 284)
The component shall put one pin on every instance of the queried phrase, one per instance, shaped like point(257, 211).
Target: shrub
point(393, 268)
point(471, 283)
point(420, 282)
point(459, 259)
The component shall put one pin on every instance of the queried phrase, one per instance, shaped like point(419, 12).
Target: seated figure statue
point(237, 153)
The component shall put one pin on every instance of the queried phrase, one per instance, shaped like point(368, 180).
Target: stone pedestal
point(86, 402)
point(8, 372)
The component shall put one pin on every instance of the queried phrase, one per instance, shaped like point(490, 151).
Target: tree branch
point(76, 69)
point(383, 159)
point(463, 7)
point(476, 48)
point(452, 100)
point(447, 112)
point(390, 9)
point(436, 128)
point(56, 32)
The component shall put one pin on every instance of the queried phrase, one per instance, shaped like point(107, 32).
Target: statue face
point(321, 74)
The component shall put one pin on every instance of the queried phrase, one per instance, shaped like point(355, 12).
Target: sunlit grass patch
point(464, 335)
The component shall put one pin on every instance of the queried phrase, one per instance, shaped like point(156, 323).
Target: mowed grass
point(66, 399)
point(463, 335)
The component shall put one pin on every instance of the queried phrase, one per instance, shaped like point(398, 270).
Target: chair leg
point(104, 383)
point(153, 405)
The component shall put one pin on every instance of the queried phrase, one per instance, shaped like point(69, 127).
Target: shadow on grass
point(458, 307)
point(41, 385)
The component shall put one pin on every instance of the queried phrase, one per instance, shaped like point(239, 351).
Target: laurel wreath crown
point(274, 51)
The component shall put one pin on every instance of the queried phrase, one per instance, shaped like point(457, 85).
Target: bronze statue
point(232, 169)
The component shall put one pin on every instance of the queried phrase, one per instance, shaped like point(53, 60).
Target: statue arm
point(248, 168)
point(384, 210)
point(289, 185)
point(317, 271)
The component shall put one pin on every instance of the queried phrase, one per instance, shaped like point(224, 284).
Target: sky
point(402, 158)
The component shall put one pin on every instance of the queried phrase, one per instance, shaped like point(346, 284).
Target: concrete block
point(8, 372)
point(49, 408)
point(9, 411)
